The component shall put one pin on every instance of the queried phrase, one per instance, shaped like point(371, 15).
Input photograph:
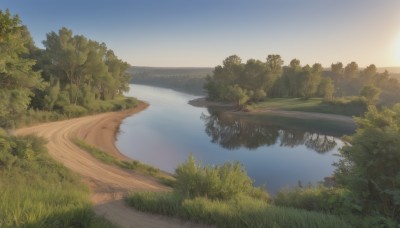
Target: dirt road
point(108, 183)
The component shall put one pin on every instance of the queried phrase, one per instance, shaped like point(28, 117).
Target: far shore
point(203, 102)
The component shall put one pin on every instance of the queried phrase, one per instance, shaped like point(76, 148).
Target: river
point(275, 156)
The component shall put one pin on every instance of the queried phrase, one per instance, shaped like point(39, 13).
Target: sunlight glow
point(397, 50)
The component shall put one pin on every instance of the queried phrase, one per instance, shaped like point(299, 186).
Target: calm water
point(170, 129)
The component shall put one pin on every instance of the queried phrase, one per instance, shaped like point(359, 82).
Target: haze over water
point(170, 129)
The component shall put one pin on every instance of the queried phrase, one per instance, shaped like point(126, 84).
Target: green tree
point(68, 55)
point(326, 88)
point(369, 166)
point(237, 95)
point(371, 93)
point(17, 77)
point(308, 80)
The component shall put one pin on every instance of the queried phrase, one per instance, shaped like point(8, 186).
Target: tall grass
point(31, 117)
point(36, 191)
point(336, 201)
point(224, 196)
point(131, 165)
point(243, 211)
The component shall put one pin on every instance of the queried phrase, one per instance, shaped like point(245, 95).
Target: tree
point(371, 93)
point(369, 75)
point(237, 95)
point(86, 69)
point(369, 166)
point(337, 69)
point(351, 70)
point(17, 77)
point(67, 54)
point(326, 88)
point(308, 80)
point(274, 64)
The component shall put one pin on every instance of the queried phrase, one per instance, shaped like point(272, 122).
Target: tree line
point(72, 74)
point(255, 80)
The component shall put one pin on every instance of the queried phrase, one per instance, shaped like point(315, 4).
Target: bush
point(356, 106)
point(74, 110)
point(218, 182)
point(369, 166)
point(330, 200)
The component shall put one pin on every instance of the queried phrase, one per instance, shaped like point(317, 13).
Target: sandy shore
point(108, 183)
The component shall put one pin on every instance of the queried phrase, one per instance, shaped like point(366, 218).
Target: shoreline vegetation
point(97, 133)
point(279, 111)
point(43, 171)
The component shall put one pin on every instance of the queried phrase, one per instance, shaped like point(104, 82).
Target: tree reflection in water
point(233, 132)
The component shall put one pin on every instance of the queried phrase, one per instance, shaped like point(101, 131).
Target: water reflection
point(233, 132)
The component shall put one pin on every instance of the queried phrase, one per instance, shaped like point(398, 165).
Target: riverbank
point(202, 102)
point(108, 184)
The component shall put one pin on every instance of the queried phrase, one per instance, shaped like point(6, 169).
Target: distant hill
point(185, 79)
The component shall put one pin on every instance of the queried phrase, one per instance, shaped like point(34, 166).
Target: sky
point(202, 33)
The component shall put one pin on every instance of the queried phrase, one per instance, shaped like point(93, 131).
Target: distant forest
point(192, 79)
point(185, 79)
point(255, 80)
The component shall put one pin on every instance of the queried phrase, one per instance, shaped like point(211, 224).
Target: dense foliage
point(224, 196)
point(17, 77)
point(218, 182)
point(370, 162)
point(73, 75)
point(255, 80)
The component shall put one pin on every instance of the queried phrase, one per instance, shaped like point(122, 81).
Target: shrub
point(218, 182)
point(349, 105)
point(74, 110)
point(330, 200)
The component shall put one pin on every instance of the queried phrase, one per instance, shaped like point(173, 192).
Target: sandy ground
point(108, 183)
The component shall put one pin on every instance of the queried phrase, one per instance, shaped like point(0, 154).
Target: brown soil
point(109, 184)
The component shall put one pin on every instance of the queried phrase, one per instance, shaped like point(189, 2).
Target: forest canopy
point(72, 75)
point(255, 80)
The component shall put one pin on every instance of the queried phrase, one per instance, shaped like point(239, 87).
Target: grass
point(328, 127)
point(239, 212)
point(344, 106)
point(130, 165)
point(31, 117)
point(225, 196)
point(36, 191)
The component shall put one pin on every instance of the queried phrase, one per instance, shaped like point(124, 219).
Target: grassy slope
point(299, 104)
point(37, 191)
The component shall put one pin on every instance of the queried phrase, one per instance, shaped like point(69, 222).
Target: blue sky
point(204, 32)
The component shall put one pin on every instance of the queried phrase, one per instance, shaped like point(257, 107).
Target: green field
point(339, 107)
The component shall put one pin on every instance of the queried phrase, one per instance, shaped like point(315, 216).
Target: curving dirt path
point(108, 183)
